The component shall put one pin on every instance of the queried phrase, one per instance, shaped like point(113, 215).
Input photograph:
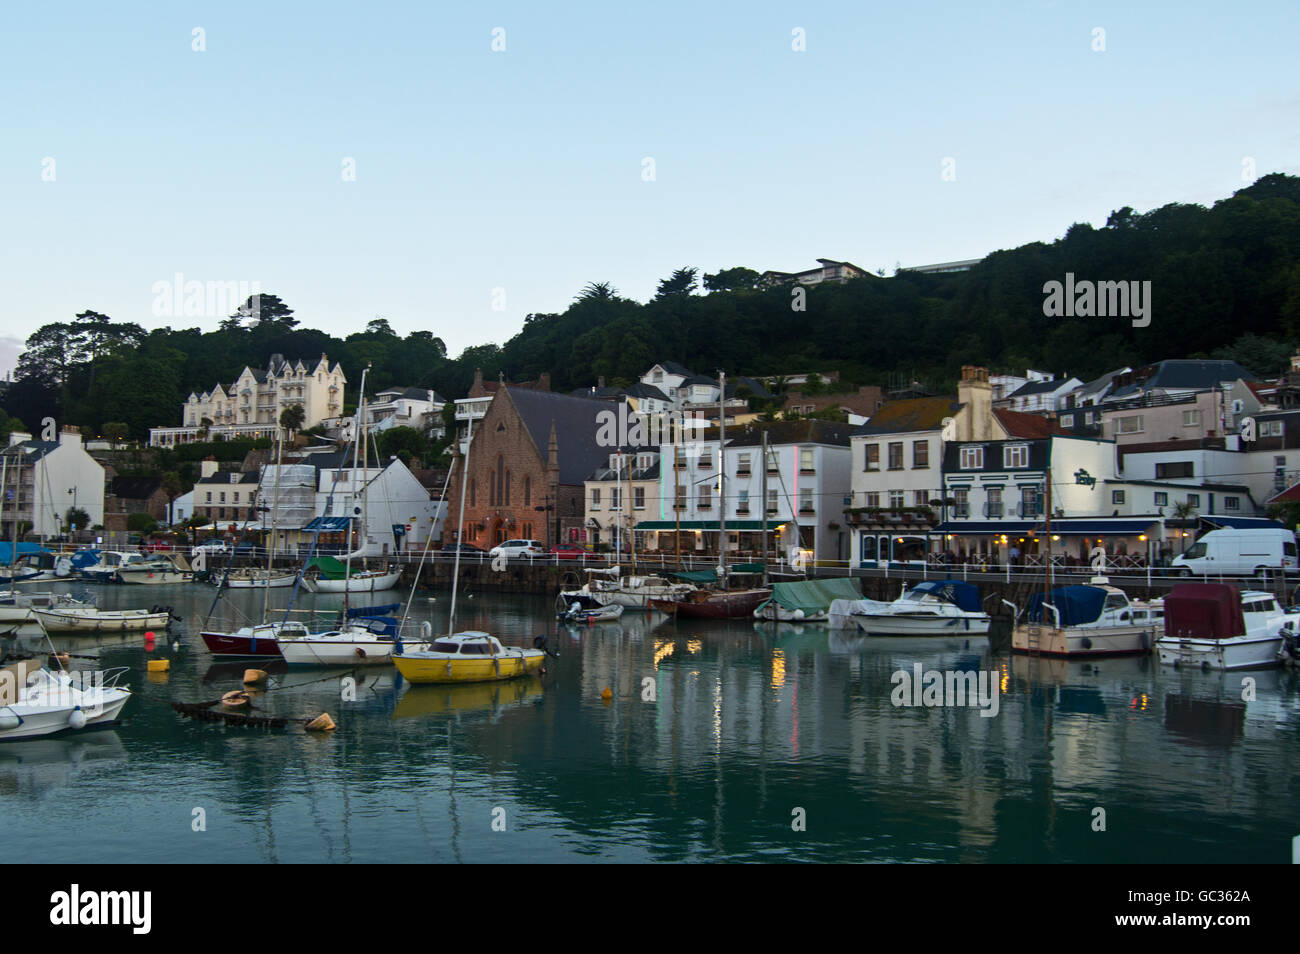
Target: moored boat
point(1216, 626)
point(1095, 619)
point(35, 701)
point(585, 609)
point(805, 600)
point(633, 591)
point(471, 656)
point(76, 617)
point(930, 608)
point(715, 604)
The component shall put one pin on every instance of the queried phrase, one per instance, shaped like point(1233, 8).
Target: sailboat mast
point(356, 446)
point(722, 477)
point(1047, 540)
point(460, 525)
point(631, 520)
point(762, 503)
point(270, 540)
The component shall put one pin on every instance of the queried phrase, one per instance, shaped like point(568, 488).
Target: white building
point(44, 479)
point(398, 512)
point(250, 407)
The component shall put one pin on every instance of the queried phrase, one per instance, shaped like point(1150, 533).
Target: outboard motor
point(1289, 651)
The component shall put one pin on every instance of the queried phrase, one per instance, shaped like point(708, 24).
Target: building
point(619, 493)
point(128, 495)
point(44, 479)
point(250, 406)
point(857, 407)
point(529, 458)
point(416, 408)
point(373, 510)
point(828, 270)
point(225, 498)
point(1039, 397)
point(944, 268)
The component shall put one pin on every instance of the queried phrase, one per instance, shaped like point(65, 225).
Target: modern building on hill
point(828, 270)
point(250, 406)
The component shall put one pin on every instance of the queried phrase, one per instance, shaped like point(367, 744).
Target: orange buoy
point(607, 694)
point(236, 697)
point(254, 676)
point(322, 723)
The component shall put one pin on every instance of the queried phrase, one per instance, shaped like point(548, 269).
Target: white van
point(1238, 553)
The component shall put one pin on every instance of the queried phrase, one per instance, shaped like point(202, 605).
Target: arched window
point(528, 490)
point(492, 489)
point(471, 492)
point(501, 477)
point(507, 488)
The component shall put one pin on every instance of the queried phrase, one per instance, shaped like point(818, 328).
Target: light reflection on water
point(749, 723)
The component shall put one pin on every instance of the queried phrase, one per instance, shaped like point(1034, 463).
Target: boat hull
point(898, 625)
point(153, 577)
point(735, 604)
point(249, 646)
point(326, 650)
point(1081, 642)
point(1239, 652)
point(247, 583)
point(369, 583)
point(108, 621)
point(435, 668)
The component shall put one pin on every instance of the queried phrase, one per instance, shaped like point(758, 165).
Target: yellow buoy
point(606, 694)
point(322, 723)
point(159, 665)
point(254, 676)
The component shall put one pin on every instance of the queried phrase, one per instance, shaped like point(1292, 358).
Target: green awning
point(707, 525)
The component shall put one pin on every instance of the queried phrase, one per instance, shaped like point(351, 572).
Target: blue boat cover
point(965, 595)
point(386, 609)
point(7, 554)
point(1076, 604)
point(84, 558)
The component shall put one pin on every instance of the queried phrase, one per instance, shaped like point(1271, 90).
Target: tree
point(141, 523)
point(681, 282)
point(379, 326)
point(76, 519)
point(597, 291)
point(292, 418)
point(266, 311)
point(173, 486)
point(731, 279)
point(405, 443)
point(115, 431)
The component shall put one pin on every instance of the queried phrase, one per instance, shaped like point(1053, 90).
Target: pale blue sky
point(522, 170)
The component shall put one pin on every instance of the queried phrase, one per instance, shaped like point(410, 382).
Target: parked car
point(518, 548)
point(569, 551)
point(245, 548)
point(1239, 552)
point(462, 547)
point(154, 546)
point(211, 547)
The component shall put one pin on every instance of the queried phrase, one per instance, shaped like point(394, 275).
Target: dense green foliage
point(1225, 282)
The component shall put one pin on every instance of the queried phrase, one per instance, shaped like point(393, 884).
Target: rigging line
point(428, 543)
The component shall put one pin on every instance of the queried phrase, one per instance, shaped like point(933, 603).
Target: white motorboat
point(1095, 619)
point(110, 562)
point(155, 572)
point(37, 702)
point(607, 586)
point(930, 608)
point(358, 644)
point(1216, 626)
point(74, 616)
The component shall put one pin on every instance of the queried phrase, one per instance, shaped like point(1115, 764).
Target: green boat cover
point(813, 596)
point(696, 576)
point(329, 568)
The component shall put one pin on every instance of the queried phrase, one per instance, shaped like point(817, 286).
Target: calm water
point(750, 722)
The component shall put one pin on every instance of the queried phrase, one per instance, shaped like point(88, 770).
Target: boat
point(325, 574)
point(715, 604)
point(74, 616)
point(109, 563)
point(806, 600)
point(35, 701)
point(930, 608)
point(364, 641)
point(1216, 626)
point(574, 608)
point(258, 578)
point(470, 656)
point(1090, 620)
point(260, 641)
point(634, 591)
point(156, 571)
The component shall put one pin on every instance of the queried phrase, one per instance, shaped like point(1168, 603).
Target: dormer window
point(1015, 455)
point(972, 458)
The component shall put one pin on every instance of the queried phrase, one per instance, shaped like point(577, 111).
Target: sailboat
point(328, 576)
point(258, 578)
point(721, 602)
point(472, 655)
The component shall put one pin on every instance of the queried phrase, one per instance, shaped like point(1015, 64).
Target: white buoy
point(77, 719)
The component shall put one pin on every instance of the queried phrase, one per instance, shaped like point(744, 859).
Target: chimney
point(70, 436)
point(976, 397)
point(18, 437)
point(207, 467)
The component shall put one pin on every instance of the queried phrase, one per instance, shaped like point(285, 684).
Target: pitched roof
point(911, 414)
point(804, 431)
point(672, 367)
point(640, 390)
point(1290, 495)
point(135, 488)
point(1037, 387)
point(576, 421)
point(1029, 426)
point(1185, 374)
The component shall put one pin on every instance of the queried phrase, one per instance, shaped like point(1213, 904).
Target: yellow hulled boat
point(470, 656)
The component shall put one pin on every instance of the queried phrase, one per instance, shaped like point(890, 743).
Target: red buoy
point(149, 641)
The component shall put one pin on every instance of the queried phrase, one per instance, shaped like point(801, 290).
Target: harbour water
point(719, 740)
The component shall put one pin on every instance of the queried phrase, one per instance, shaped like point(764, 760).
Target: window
point(1117, 496)
point(705, 497)
point(1029, 502)
point(773, 461)
point(994, 502)
point(1067, 420)
point(742, 463)
point(1231, 503)
point(209, 495)
point(896, 455)
point(806, 460)
point(972, 458)
point(616, 498)
point(1192, 418)
point(742, 501)
point(961, 502)
point(1174, 468)
point(920, 454)
point(771, 501)
point(507, 488)
point(873, 457)
point(595, 498)
point(1161, 498)
point(638, 498)
point(921, 498)
point(706, 459)
point(1193, 500)
point(896, 500)
point(528, 490)
point(805, 500)
point(1129, 425)
point(873, 499)
point(1270, 429)
point(223, 497)
point(680, 503)
point(1015, 455)
point(680, 462)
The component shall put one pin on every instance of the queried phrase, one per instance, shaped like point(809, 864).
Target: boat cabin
point(470, 643)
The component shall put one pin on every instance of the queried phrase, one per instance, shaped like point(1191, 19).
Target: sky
point(454, 167)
